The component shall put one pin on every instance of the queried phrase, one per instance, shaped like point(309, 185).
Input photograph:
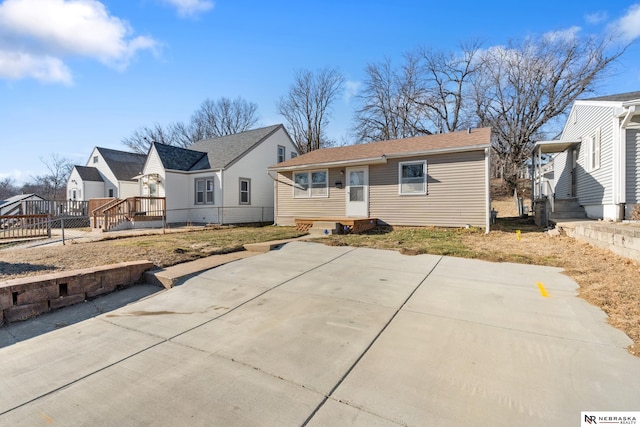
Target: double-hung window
point(311, 184)
point(245, 191)
point(204, 191)
point(281, 154)
point(412, 178)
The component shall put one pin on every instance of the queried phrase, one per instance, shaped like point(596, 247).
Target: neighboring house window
point(95, 159)
point(575, 117)
point(111, 192)
point(412, 177)
point(204, 191)
point(73, 195)
point(594, 151)
point(281, 154)
point(294, 154)
point(245, 191)
point(311, 184)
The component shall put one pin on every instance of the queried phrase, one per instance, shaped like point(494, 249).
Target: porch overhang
point(554, 146)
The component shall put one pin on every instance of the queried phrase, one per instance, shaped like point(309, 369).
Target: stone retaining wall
point(619, 239)
point(26, 297)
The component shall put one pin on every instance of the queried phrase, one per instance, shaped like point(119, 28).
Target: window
point(204, 191)
point(412, 178)
point(294, 154)
point(594, 151)
point(311, 184)
point(245, 191)
point(111, 192)
point(281, 154)
point(95, 159)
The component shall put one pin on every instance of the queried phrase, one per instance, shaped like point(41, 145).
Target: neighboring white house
point(221, 180)
point(597, 160)
point(108, 173)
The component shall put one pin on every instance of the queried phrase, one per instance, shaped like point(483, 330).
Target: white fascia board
point(439, 151)
point(335, 164)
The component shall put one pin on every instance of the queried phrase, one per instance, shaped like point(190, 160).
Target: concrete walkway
point(317, 335)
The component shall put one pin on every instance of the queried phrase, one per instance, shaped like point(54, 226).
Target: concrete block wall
point(621, 240)
point(27, 297)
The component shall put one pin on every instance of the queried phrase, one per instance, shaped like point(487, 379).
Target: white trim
point(424, 178)
point(309, 190)
point(487, 178)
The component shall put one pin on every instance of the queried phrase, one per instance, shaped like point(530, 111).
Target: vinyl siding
point(593, 187)
point(633, 166)
point(289, 208)
point(562, 175)
point(456, 194)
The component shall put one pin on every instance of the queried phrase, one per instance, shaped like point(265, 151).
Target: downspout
point(221, 211)
point(275, 199)
point(487, 162)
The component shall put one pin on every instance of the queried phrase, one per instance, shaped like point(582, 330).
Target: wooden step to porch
point(335, 225)
point(324, 228)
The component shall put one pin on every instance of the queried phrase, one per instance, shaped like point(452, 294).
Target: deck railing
point(131, 209)
point(23, 226)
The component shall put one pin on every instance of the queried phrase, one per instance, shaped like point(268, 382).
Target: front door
point(357, 193)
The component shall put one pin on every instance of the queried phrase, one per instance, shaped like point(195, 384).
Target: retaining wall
point(27, 297)
point(623, 240)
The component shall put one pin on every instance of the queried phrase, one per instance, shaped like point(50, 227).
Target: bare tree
point(444, 95)
point(388, 108)
point(213, 119)
point(223, 117)
point(141, 139)
point(522, 87)
point(7, 188)
point(51, 185)
point(307, 106)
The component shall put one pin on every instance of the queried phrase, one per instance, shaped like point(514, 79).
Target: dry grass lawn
point(606, 280)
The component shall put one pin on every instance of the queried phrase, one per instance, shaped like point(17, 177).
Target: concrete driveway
point(317, 335)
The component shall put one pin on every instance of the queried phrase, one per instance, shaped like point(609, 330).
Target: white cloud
point(43, 32)
point(568, 34)
point(596, 17)
point(47, 69)
point(351, 89)
point(191, 7)
point(629, 25)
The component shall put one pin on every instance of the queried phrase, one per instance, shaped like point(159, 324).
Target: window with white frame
point(204, 191)
point(245, 191)
point(412, 178)
point(594, 151)
point(281, 154)
point(311, 184)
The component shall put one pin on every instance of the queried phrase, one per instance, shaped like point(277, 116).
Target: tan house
point(434, 180)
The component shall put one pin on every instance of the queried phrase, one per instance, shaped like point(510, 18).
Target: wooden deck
point(347, 225)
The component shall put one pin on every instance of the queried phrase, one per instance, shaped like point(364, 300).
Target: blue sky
point(75, 74)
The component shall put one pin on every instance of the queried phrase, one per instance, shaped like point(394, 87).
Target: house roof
point(214, 153)
point(123, 164)
point(89, 173)
point(226, 150)
point(620, 97)
point(379, 151)
point(182, 159)
point(15, 200)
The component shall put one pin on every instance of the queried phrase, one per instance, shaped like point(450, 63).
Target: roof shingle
point(123, 164)
point(479, 138)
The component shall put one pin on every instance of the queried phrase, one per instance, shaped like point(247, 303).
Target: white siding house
point(221, 180)
point(108, 173)
point(597, 158)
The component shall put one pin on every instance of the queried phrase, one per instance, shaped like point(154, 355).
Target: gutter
point(380, 160)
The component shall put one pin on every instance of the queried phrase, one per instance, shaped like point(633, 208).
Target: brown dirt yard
point(606, 280)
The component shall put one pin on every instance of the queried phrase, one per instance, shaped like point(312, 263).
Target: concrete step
point(324, 228)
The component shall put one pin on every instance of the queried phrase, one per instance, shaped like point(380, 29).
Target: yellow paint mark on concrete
point(543, 291)
point(46, 418)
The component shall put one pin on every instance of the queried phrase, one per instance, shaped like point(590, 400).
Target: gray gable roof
point(123, 164)
point(89, 173)
point(620, 97)
point(225, 150)
point(182, 159)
